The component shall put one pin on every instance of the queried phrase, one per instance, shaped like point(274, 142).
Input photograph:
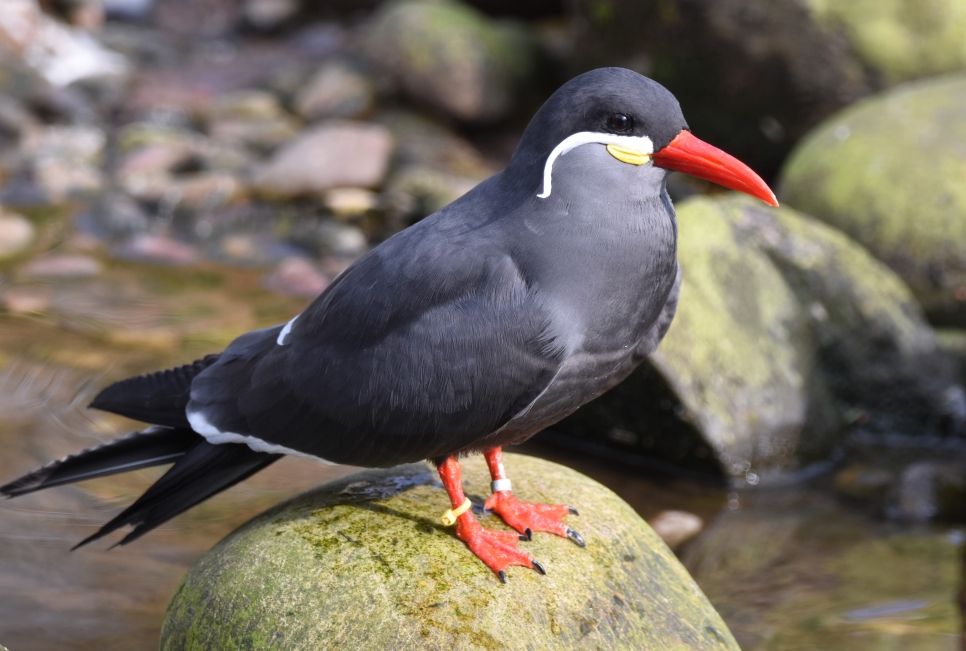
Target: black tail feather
point(154, 446)
point(159, 398)
point(205, 471)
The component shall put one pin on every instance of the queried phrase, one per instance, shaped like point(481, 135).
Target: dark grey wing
point(423, 347)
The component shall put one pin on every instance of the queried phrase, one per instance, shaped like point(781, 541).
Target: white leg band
point(498, 485)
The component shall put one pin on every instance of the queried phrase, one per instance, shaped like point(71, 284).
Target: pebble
point(22, 300)
point(932, 489)
point(267, 15)
point(341, 240)
point(66, 159)
point(346, 202)
point(60, 53)
point(207, 190)
point(116, 214)
point(862, 481)
point(330, 155)
point(451, 57)
point(676, 527)
point(252, 249)
point(245, 104)
point(336, 90)
point(157, 249)
point(67, 265)
point(16, 233)
point(128, 9)
point(296, 276)
point(261, 134)
point(153, 159)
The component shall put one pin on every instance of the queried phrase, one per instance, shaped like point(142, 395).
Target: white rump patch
point(286, 331)
point(215, 436)
point(642, 144)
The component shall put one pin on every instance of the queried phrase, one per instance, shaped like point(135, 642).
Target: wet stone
point(23, 300)
point(676, 527)
point(336, 90)
point(331, 237)
point(264, 134)
point(863, 481)
point(330, 155)
point(251, 249)
point(65, 159)
point(932, 490)
point(63, 266)
point(889, 172)
point(157, 249)
point(205, 190)
point(61, 54)
point(114, 215)
point(363, 563)
point(268, 15)
point(297, 276)
point(16, 233)
point(451, 57)
point(245, 105)
point(347, 202)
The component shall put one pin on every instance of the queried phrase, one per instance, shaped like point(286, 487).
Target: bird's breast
point(607, 286)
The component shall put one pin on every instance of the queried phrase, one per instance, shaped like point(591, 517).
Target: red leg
point(524, 516)
point(497, 549)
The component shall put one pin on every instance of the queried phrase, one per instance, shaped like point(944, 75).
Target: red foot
point(497, 549)
point(526, 517)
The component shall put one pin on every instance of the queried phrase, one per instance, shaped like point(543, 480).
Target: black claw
point(502, 575)
point(539, 568)
point(573, 511)
point(527, 534)
point(576, 537)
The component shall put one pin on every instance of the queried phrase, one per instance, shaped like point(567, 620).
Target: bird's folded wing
point(396, 362)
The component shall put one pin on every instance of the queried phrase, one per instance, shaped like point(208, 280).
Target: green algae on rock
point(786, 334)
point(363, 563)
point(451, 57)
point(754, 75)
point(899, 39)
point(889, 172)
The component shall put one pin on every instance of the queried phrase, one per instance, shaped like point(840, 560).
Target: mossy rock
point(363, 563)
point(788, 336)
point(899, 39)
point(452, 58)
point(890, 172)
point(753, 76)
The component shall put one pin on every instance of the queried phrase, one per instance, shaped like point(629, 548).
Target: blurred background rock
point(175, 172)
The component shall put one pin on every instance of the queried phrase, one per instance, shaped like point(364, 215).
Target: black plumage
point(154, 446)
point(158, 398)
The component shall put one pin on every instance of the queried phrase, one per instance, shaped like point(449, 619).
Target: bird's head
point(638, 121)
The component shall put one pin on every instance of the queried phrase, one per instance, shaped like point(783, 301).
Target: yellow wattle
point(625, 155)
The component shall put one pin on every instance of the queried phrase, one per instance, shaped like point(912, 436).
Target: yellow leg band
point(449, 518)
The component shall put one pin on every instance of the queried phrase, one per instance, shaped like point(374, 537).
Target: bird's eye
point(620, 122)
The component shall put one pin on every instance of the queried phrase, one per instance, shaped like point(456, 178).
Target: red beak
point(691, 155)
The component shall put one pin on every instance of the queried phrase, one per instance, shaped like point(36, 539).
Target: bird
point(473, 329)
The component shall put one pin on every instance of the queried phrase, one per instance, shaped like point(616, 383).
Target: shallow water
point(795, 568)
